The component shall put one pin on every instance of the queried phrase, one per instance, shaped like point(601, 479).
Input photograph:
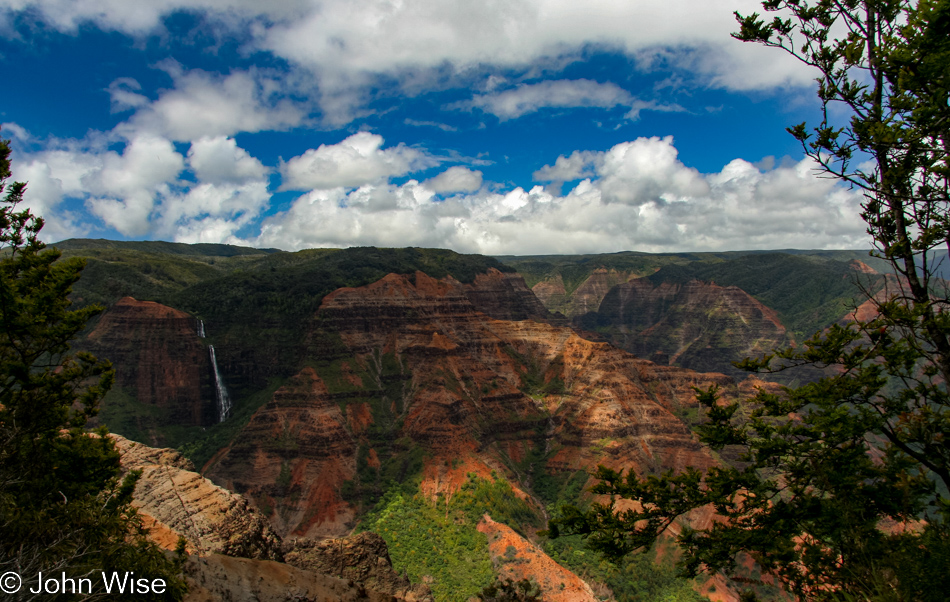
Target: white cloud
point(528, 98)
point(455, 179)
point(347, 41)
point(580, 164)
point(126, 187)
point(357, 160)
point(218, 160)
point(142, 17)
point(140, 192)
point(125, 94)
point(636, 195)
point(635, 173)
point(561, 94)
point(211, 212)
point(12, 129)
point(647, 170)
point(205, 104)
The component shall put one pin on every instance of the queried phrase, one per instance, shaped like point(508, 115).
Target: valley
point(427, 405)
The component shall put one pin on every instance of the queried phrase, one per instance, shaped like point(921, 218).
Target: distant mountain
point(704, 310)
point(160, 246)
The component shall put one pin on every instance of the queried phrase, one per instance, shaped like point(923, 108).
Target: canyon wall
point(406, 377)
point(163, 369)
point(695, 325)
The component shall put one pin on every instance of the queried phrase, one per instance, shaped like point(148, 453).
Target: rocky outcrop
point(586, 298)
point(178, 502)
point(505, 296)
point(362, 558)
point(159, 360)
point(696, 325)
point(234, 554)
point(861, 267)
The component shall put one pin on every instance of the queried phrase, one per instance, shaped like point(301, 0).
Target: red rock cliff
point(408, 363)
point(696, 325)
point(158, 358)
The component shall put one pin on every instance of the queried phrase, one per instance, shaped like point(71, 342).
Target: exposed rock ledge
point(175, 500)
point(363, 558)
point(235, 551)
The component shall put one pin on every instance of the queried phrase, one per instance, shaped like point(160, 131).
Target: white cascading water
point(201, 329)
point(224, 401)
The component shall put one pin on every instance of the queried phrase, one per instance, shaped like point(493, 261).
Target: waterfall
point(201, 329)
point(221, 391)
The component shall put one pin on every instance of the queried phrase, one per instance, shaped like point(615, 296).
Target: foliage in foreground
point(63, 508)
point(634, 578)
point(841, 492)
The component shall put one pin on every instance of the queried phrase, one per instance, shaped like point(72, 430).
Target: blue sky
point(506, 127)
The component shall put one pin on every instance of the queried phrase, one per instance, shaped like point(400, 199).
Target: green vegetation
point(382, 385)
point(632, 579)
point(511, 591)
point(826, 467)
point(575, 269)
point(808, 292)
point(440, 540)
point(122, 413)
point(62, 504)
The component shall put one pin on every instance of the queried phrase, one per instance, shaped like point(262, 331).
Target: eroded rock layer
point(362, 558)
point(407, 378)
point(584, 299)
point(516, 558)
point(178, 502)
point(159, 359)
point(697, 325)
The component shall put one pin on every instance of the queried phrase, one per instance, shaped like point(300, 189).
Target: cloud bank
point(636, 195)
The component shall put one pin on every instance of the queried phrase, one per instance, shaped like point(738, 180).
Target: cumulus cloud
point(126, 187)
point(140, 191)
point(635, 173)
point(580, 164)
point(357, 160)
point(636, 195)
point(455, 179)
point(206, 104)
point(218, 160)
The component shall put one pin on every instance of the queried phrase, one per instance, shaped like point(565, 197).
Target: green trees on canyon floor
point(63, 507)
point(841, 490)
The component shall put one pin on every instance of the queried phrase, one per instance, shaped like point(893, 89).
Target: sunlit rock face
point(407, 379)
point(160, 360)
point(176, 502)
point(233, 549)
point(697, 325)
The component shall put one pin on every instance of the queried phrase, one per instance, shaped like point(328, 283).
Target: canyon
point(363, 399)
